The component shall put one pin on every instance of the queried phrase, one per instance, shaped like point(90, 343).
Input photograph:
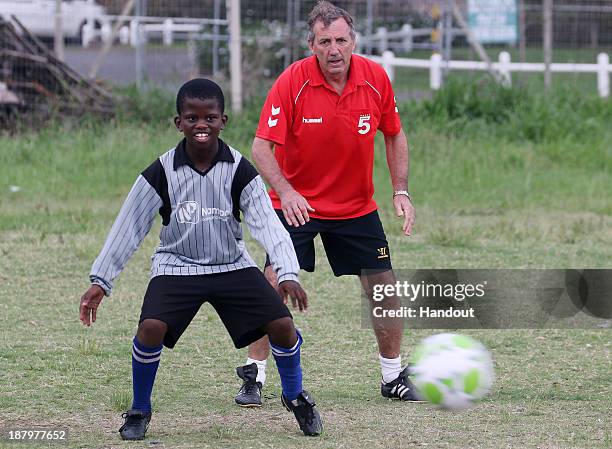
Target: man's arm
point(295, 207)
point(398, 162)
point(267, 229)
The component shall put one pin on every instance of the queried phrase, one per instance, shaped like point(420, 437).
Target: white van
point(38, 16)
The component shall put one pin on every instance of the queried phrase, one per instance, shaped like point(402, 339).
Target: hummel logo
point(312, 120)
point(273, 122)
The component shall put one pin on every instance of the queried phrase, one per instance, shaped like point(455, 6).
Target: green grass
point(485, 198)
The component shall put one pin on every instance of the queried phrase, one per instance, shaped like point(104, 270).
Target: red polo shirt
point(325, 141)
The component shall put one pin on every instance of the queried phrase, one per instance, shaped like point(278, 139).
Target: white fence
point(143, 28)
point(401, 40)
point(504, 67)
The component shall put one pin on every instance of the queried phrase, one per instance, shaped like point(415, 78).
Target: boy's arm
point(130, 228)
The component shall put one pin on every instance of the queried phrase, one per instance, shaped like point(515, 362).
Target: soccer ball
point(452, 371)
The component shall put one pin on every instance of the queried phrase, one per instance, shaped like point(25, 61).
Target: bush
point(153, 105)
point(516, 113)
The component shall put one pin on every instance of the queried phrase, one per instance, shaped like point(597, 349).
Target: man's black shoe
point(400, 388)
point(250, 392)
point(135, 425)
point(305, 412)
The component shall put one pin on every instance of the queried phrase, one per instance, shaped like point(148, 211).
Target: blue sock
point(288, 364)
point(144, 367)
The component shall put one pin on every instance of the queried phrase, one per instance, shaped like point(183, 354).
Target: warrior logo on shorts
point(188, 212)
point(383, 252)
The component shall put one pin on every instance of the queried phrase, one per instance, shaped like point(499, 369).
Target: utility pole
point(369, 26)
point(233, 16)
point(58, 41)
point(548, 38)
point(215, 49)
point(522, 32)
point(290, 33)
point(141, 11)
point(447, 36)
point(296, 19)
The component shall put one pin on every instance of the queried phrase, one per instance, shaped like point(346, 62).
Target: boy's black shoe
point(135, 425)
point(400, 388)
point(250, 392)
point(305, 412)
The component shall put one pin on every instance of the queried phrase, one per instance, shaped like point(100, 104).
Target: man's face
point(333, 46)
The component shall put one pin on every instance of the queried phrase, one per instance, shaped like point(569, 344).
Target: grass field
point(484, 200)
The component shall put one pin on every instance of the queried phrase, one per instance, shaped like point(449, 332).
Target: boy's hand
point(298, 296)
point(89, 304)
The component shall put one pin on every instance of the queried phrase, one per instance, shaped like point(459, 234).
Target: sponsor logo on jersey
point(212, 213)
point(191, 212)
point(312, 120)
point(188, 212)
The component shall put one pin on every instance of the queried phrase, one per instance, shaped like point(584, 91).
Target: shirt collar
point(181, 158)
point(355, 77)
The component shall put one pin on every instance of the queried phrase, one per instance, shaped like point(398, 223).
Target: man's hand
point(89, 304)
point(403, 207)
point(295, 208)
point(298, 296)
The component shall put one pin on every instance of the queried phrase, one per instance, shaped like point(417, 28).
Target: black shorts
point(351, 245)
point(244, 300)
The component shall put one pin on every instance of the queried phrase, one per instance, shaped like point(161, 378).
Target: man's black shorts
point(244, 300)
point(351, 245)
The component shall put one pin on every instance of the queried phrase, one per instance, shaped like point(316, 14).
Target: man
point(315, 147)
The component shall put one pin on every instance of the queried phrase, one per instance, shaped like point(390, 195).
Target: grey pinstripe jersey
point(201, 231)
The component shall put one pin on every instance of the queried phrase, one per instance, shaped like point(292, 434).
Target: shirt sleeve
point(265, 226)
point(131, 226)
point(390, 123)
point(277, 112)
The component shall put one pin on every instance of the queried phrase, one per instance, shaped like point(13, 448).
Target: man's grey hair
point(327, 13)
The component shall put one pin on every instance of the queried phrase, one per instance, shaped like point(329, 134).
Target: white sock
point(391, 368)
point(261, 369)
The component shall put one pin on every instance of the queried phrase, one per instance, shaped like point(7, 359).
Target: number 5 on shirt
point(364, 124)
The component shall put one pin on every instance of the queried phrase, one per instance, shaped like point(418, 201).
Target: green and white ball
point(452, 371)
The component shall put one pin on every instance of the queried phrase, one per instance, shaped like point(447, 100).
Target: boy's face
point(201, 121)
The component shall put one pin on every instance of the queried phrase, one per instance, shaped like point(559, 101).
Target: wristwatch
point(402, 192)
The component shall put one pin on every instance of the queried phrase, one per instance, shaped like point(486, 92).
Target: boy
point(199, 188)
